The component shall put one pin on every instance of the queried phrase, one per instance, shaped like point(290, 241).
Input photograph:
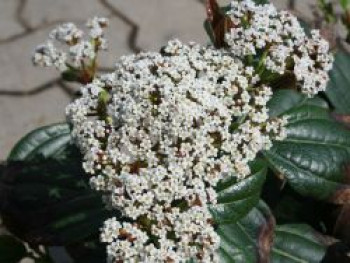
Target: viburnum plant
point(227, 152)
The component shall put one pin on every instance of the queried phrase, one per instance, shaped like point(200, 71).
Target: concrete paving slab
point(20, 115)
point(162, 20)
point(38, 12)
point(9, 26)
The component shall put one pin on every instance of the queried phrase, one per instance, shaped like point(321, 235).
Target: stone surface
point(281, 4)
point(306, 9)
point(117, 34)
point(19, 116)
point(38, 12)
point(162, 20)
point(16, 70)
point(9, 26)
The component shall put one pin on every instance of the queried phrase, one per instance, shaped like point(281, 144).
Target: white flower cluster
point(81, 52)
point(277, 36)
point(158, 134)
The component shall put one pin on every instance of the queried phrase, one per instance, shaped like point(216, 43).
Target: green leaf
point(345, 4)
point(11, 250)
point(255, 238)
point(297, 243)
point(262, 2)
point(338, 90)
point(48, 141)
point(92, 251)
point(237, 198)
point(313, 156)
point(50, 202)
point(249, 239)
point(285, 100)
point(45, 196)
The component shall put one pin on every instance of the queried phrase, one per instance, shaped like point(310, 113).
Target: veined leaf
point(48, 141)
point(297, 243)
point(249, 239)
point(45, 196)
point(338, 91)
point(237, 198)
point(314, 155)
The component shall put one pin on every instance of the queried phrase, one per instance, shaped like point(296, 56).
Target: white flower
point(278, 34)
point(47, 55)
point(172, 125)
point(80, 53)
point(67, 33)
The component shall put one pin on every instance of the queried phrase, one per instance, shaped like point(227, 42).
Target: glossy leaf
point(313, 156)
point(50, 202)
point(237, 198)
point(48, 141)
point(338, 91)
point(11, 249)
point(249, 239)
point(45, 196)
point(297, 243)
point(255, 238)
point(285, 100)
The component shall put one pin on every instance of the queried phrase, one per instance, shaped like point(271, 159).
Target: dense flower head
point(280, 41)
point(80, 52)
point(158, 134)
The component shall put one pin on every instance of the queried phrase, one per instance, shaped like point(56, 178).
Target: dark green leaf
point(45, 196)
point(261, 2)
point(314, 155)
point(48, 141)
point(50, 202)
point(92, 251)
point(338, 91)
point(11, 250)
point(70, 75)
point(237, 198)
point(249, 239)
point(297, 243)
point(285, 100)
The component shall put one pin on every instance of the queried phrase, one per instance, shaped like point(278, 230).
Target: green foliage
point(45, 197)
point(297, 243)
point(262, 1)
point(237, 198)
point(249, 239)
point(48, 141)
point(313, 156)
point(255, 238)
point(338, 91)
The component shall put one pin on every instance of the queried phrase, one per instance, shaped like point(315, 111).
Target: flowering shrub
point(177, 145)
point(158, 135)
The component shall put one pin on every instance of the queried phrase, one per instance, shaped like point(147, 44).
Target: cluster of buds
point(158, 134)
point(279, 44)
point(79, 61)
